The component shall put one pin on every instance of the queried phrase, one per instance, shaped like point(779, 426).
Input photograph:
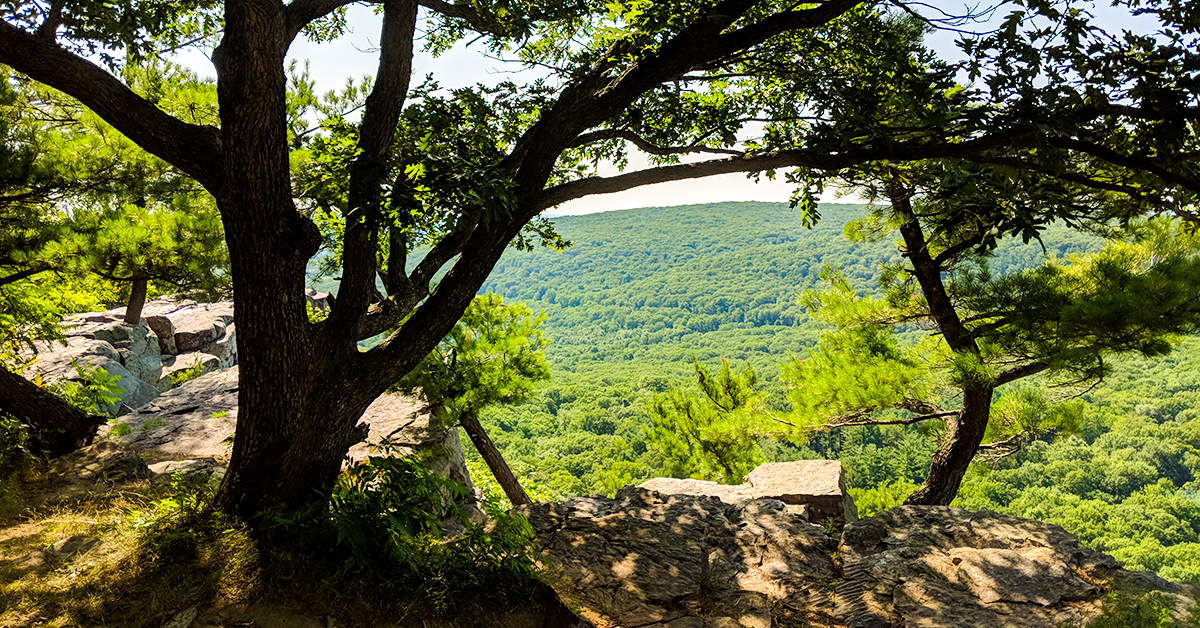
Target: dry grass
point(127, 578)
point(142, 577)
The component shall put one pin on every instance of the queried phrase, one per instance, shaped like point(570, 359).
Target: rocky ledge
point(652, 560)
point(171, 336)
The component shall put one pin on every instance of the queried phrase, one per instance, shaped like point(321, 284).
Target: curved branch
point(192, 148)
point(767, 161)
point(301, 13)
point(645, 145)
point(476, 20)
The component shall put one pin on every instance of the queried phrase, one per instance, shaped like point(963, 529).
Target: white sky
point(354, 55)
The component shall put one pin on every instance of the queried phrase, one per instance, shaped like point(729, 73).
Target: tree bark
point(137, 301)
point(964, 433)
point(500, 470)
point(58, 427)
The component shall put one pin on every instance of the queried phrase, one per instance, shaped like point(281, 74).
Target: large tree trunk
point(500, 469)
point(303, 388)
point(58, 426)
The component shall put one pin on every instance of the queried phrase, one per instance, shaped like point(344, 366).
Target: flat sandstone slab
point(816, 484)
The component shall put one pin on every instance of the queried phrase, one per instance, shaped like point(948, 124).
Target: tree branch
point(1019, 372)
point(852, 422)
point(192, 148)
point(18, 276)
point(477, 21)
point(645, 145)
point(904, 151)
point(381, 113)
point(300, 13)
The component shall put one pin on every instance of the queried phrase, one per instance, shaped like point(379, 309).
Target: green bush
point(1125, 609)
point(182, 376)
point(96, 392)
point(382, 529)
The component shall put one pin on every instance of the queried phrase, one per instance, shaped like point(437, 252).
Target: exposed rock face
point(172, 336)
point(648, 559)
point(814, 489)
point(197, 420)
point(935, 566)
point(645, 559)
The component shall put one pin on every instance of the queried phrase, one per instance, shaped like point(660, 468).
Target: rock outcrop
point(171, 336)
point(814, 489)
point(686, 561)
point(192, 428)
point(935, 566)
point(648, 559)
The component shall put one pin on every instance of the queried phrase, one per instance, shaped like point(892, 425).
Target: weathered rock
point(401, 426)
point(934, 566)
point(191, 421)
point(164, 330)
point(198, 419)
point(319, 300)
point(819, 484)
point(683, 560)
point(200, 325)
point(144, 366)
point(174, 364)
point(812, 488)
point(57, 553)
point(90, 342)
point(198, 470)
point(224, 349)
point(105, 462)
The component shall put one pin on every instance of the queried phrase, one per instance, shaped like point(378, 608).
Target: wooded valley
point(640, 292)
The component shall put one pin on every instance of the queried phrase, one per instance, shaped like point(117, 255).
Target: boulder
point(935, 567)
point(814, 489)
point(649, 559)
point(319, 300)
point(164, 330)
point(98, 341)
point(200, 325)
point(191, 421)
point(817, 484)
point(224, 349)
point(402, 426)
point(193, 470)
point(197, 421)
point(173, 364)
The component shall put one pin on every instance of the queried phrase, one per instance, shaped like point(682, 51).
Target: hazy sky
point(354, 55)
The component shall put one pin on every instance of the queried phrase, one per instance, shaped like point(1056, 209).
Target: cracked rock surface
point(936, 566)
point(686, 561)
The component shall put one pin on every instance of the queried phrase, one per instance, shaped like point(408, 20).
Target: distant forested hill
point(720, 280)
point(643, 291)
